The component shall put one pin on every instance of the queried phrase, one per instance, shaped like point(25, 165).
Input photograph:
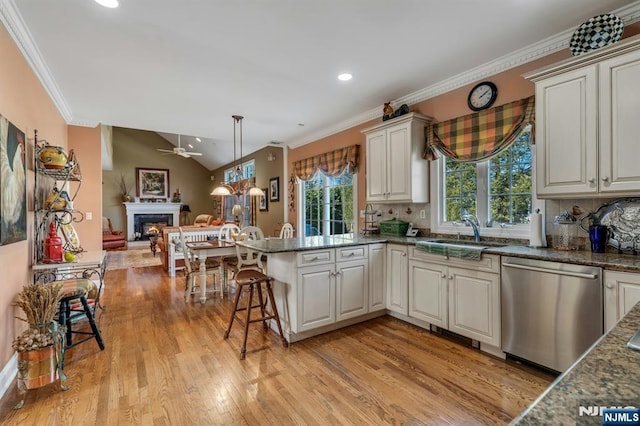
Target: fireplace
point(157, 214)
point(147, 225)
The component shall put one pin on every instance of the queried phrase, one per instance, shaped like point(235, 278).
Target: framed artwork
point(274, 189)
point(152, 184)
point(13, 195)
point(262, 200)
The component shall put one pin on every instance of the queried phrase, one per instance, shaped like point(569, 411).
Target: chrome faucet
point(474, 223)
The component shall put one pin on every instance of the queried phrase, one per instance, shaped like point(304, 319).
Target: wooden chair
point(192, 270)
point(286, 231)
point(251, 280)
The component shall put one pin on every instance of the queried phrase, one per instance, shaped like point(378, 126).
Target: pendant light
point(241, 188)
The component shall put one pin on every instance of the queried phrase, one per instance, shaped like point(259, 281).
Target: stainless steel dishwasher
point(551, 312)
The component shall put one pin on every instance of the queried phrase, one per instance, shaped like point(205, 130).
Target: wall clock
point(482, 96)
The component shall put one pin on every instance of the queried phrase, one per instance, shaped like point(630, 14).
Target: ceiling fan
point(178, 150)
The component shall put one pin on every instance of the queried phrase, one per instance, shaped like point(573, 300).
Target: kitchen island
point(608, 375)
point(322, 283)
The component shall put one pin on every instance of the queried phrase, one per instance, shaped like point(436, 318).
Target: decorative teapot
point(53, 157)
point(57, 200)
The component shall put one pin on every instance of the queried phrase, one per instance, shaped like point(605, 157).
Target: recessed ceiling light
point(198, 139)
point(301, 124)
point(108, 3)
point(190, 146)
point(345, 77)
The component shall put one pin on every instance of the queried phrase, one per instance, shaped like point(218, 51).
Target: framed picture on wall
point(274, 189)
point(152, 184)
point(263, 203)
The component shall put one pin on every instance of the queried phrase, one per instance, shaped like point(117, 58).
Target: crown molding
point(629, 14)
point(17, 29)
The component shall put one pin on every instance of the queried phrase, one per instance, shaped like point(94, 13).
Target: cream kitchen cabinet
point(377, 277)
point(395, 169)
point(587, 123)
point(462, 296)
point(621, 293)
point(332, 285)
point(397, 279)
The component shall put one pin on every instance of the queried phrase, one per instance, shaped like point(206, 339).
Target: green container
point(394, 227)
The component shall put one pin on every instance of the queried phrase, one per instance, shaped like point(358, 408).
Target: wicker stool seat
point(75, 305)
point(251, 281)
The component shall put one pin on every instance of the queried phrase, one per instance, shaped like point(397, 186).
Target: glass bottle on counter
point(565, 232)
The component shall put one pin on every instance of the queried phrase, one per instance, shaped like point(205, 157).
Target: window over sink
point(499, 191)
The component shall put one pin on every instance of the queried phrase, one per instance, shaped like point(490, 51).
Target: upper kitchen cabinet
point(395, 169)
point(587, 111)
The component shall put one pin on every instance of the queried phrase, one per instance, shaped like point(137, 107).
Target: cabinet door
point(474, 305)
point(377, 277)
point(352, 295)
point(428, 292)
point(397, 279)
point(566, 133)
point(376, 173)
point(622, 292)
point(316, 296)
point(619, 124)
point(399, 162)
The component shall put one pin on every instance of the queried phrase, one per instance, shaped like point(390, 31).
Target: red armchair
point(111, 239)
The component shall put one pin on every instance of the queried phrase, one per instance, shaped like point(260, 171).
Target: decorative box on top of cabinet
point(587, 111)
point(395, 169)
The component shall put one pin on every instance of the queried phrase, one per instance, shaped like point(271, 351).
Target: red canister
point(53, 246)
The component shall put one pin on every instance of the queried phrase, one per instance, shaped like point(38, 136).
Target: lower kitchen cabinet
point(377, 277)
point(316, 296)
point(621, 293)
point(352, 289)
point(462, 296)
point(397, 279)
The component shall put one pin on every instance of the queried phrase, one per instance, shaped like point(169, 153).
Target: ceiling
point(185, 67)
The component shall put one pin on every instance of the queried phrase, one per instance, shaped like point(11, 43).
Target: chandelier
point(241, 186)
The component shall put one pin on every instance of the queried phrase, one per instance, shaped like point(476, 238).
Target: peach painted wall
point(26, 104)
point(85, 142)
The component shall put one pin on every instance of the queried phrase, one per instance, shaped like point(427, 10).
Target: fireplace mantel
point(149, 208)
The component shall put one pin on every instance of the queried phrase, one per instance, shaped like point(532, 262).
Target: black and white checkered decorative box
point(597, 32)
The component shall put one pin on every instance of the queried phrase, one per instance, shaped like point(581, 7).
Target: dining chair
point(227, 230)
point(192, 270)
point(286, 231)
point(246, 258)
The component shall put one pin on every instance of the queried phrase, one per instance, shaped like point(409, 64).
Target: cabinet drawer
point(351, 253)
point(316, 257)
point(488, 262)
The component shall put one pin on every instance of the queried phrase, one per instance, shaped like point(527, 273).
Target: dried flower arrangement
point(124, 188)
point(39, 303)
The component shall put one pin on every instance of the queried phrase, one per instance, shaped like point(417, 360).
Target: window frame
point(438, 225)
point(230, 172)
point(301, 212)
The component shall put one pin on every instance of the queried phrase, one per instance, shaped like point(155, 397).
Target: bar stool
point(70, 311)
point(251, 281)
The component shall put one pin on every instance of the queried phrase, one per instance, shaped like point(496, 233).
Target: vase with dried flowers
point(40, 348)
point(124, 189)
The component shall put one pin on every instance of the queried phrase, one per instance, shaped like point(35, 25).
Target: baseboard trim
point(8, 373)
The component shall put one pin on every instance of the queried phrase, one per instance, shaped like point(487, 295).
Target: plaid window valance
point(331, 163)
point(481, 135)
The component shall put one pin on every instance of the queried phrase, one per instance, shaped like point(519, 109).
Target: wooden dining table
point(206, 249)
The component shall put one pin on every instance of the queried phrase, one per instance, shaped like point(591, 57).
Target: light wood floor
point(166, 363)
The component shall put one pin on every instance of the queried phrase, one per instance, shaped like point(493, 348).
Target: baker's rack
point(370, 221)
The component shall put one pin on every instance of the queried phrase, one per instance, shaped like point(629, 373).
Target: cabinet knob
point(592, 180)
point(605, 179)
point(443, 276)
point(337, 273)
point(404, 254)
point(450, 277)
point(609, 285)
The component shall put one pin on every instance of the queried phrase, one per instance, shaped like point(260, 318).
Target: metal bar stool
point(74, 290)
point(251, 281)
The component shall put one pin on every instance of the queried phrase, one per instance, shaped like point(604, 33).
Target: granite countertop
point(605, 376)
point(609, 260)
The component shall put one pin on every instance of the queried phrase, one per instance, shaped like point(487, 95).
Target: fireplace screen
point(150, 225)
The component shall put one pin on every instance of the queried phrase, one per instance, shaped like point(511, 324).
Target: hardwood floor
point(166, 363)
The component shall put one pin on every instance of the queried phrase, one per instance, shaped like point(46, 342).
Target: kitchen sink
point(464, 249)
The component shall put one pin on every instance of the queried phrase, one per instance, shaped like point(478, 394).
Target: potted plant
point(124, 189)
point(39, 347)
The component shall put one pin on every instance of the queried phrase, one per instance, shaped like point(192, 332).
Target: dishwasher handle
point(551, 271)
